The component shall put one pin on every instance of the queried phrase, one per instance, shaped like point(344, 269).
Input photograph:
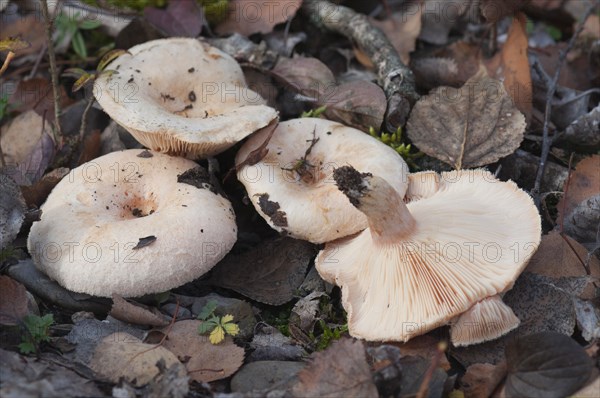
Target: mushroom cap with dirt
point(292, 186)
point(181, 96)
point(421, 265)
point(132, 223)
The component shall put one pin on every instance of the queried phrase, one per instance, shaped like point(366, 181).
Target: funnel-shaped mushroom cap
point(419, 265)
point(487, 320)
point(132, 225)
point(181, 96)
point(292, 186)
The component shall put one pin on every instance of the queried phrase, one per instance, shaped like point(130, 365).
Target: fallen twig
point(551, 87)
point(49, 24)
point(396, 78)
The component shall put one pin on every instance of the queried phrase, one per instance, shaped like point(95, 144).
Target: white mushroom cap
point(487, 320)
point(95, 217)
point(305, 203)
point(419, 265)
point(181, 96)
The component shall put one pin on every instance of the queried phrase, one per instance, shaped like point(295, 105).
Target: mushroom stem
point(388, 217)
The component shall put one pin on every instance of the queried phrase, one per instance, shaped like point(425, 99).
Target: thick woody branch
point(396, 78)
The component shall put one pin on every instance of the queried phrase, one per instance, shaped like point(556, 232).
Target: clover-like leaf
point(208, 310)
point(231, 329)
point(206, 326)
point(217, 335)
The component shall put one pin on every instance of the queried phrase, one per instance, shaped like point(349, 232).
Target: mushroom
point(420, 265)
point(292, 186)
point(181, 96)
point(132, 223)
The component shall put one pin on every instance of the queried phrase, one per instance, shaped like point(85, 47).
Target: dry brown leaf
point(467, 57)
point(35, 195)
point(559, 257)
point(423, 346)
point(36, 94)
point(260, 16)
point(360, 104)
point(341, 370)
point(13, 301)
point(467, 127)
point(308, 76)
point(136, 313)
point(21, 136)
point(583, 184)
point(481, 379)
point(270, 273)
point(433, 72)
point(121, 355)
point(402, 29)
point(203, 360)
point(92, 146)
point(515, 66)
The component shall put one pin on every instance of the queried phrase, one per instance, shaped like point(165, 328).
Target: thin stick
point(546, 139)
point(435, 362)
point(49, 23)
point(84, 118)
point(396, 79)
point(9, 58)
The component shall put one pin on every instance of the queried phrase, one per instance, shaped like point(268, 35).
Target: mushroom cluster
point(133, 223)
point(181, 96)
point(445, 257)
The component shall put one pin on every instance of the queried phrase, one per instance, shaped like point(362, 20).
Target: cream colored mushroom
point(292, 186)
point(181, 96)
point(132, 223)
point(421, 264)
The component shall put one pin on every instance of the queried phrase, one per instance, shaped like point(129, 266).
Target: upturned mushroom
point(292, 186)
point(181, 96)
point(445, 257)
point(132, 223)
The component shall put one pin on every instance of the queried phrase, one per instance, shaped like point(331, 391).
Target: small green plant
point(217, 326)
point(37, 331)
point(84, 77)
point(68, 26)
point(329, 334)
point(4, 104)
point(317, 112)
point(394, 140)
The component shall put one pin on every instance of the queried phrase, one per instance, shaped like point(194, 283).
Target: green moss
point(215, 11)
point(394, 140)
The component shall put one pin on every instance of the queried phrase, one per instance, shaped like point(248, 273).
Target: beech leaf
point(472, 126)
point(547, 365)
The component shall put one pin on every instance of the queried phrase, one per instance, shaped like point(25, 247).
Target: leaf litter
point(556, 294)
